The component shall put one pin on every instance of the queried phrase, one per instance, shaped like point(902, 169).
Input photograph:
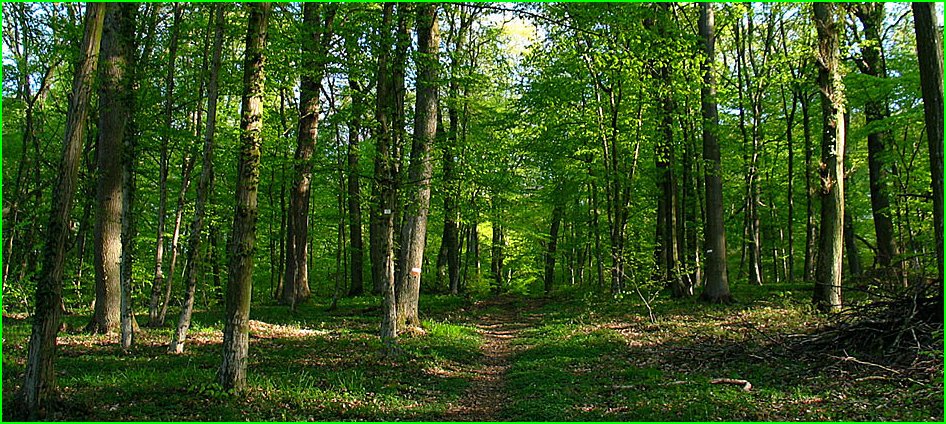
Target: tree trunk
point(496, 248)
point(203, 186)
point(790, 227)
point(390, 80)
point(876, 110)
point(232, 374)
point(296, 281)
point(716, 287)
point(451, 238)
point(557, 213)
point(811, 230)
point(929, 47)
point(850, 246)
point(116, 52)
point(39, 383)
point(354, 192)
point(157, 288)
point(390, 115)
point(668, 225)
point(129, 169)
point(827, 294)
point(187, 167)
point(414, 229)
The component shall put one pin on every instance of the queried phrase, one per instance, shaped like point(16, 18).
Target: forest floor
point(573, 356)
point(487, 394)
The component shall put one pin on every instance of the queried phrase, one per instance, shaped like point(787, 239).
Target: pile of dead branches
point(897, 325)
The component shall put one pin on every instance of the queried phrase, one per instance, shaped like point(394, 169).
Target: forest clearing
point(472, 211)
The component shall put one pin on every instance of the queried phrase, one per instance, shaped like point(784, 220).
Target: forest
point(472, 211)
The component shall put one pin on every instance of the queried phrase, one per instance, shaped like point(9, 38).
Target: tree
point(451, 227)
point(414, 229)
point(716, 286)
point(318, 33)
point(876, 111)
point(39, 382)
point(929, 52)
point(557, 213)
point(203, 185)
point(232, 373)
point(129, 186)
point(830, 248)
point(669, 222)
point(114, 97)
point(354, 190)
point(155, 317)
point(389, 115)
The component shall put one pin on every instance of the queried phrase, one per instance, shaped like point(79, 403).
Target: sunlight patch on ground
point(264, 330)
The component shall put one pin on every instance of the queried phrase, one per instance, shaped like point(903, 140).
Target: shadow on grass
point(331, 371)
point(593, 364)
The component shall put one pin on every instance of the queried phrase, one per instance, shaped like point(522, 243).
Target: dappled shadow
point(307, 365)
point(631, 369)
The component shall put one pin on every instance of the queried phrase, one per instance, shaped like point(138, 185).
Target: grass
point(596, 359)
point(310, 365)
point(584, 358)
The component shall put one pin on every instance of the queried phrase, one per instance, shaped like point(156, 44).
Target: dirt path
point(486, 396)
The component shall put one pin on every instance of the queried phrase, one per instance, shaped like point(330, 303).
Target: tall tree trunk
point(811, 229)
point(827, 294)
point(929, 48)
point(39, 383)
point(876, 110)
point(450, 239)
point(414, 229)
point(850, 246)
point(596, 227)
point(157, 288)
point(232, 374)
point(116, 53)
point(668, 208)
point(318, 31)
point(129, 169)
point(203, 185)
point(354, 192)
point(496, 247)
point(557, 212)
point(850, 239)
point(716, 287)
point(186, 168)
point(790, 227)
point(388, 112)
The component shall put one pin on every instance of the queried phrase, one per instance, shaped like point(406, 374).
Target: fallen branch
point(746, 385)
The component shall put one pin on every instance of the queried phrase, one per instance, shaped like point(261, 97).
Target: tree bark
point(232, 373)
point(451, 237)
point(716, 287)
point(827, 294)
point(354, 192)
point(811, 229)
point(389, 102)
point(203, 186)
point(390, 116)
point(39, 383)
point(557, 212)
point(157, 288)
point(318, 31)
point(496, 256)
point(414, 229)
point(876, 110)
point(929, 47)
point(129, 170)
point(116, 54)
